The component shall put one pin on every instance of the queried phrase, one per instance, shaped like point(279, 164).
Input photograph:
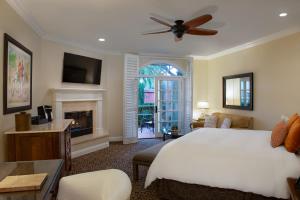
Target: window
point(160, 69)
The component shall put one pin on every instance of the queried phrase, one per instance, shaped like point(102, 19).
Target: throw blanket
point(226, 158)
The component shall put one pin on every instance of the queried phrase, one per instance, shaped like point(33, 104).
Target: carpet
point(119, 156)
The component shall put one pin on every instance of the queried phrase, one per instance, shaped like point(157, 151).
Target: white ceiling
point(122, 23)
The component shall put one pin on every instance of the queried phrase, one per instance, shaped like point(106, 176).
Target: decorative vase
point(23, 121)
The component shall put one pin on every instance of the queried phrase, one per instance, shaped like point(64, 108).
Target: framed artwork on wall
point(17, 76)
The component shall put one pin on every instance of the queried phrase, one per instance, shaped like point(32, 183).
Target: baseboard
point(130, 140)
point(116, 139)
point(91, 149)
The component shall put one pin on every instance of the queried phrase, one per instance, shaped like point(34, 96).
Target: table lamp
point(203, 106)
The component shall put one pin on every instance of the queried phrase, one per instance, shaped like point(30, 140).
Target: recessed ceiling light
point(283, 14)
point(101, 39)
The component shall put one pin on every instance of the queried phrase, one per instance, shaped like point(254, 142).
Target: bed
point(224, 159)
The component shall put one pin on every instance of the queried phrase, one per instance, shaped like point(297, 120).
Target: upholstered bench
point(145, 158)
point(109, 184)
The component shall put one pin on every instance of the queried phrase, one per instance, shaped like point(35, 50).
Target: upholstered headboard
point(237, 121)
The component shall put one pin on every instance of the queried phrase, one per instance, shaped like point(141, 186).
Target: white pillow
point(210, 121)
point(226, 123)
point(284, 118)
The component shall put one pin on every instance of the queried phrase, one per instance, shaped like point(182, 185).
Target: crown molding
point(248, 45)
point(164, 56)
point(195, 57)
point(18, 6)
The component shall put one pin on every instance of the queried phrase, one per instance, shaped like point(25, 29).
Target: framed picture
point(238, 91)
point(17, 76)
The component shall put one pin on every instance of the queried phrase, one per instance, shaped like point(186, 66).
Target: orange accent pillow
point(291, 120)
point(279, 134)
point(292, 141)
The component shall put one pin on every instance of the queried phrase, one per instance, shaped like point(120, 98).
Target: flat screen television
point(81, 69)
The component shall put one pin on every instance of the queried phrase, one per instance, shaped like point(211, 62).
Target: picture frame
point(17, 76)
point(241, 94)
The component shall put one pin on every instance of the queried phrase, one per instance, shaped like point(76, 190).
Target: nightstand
point(172, 136)
point(199, 123)
point(294, 193)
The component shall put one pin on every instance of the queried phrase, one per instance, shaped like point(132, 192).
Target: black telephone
point(44, 115)
point(45, 112)
point(298, 183)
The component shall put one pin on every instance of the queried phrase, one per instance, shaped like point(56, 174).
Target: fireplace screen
point(83, 123)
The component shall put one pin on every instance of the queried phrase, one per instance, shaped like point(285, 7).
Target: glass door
point(146, 107)
point(168, 103)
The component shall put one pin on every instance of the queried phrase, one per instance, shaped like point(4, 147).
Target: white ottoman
point(109, 184)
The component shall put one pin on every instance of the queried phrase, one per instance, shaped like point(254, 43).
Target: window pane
point(160, 69)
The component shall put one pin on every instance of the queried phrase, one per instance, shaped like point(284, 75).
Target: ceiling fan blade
point(161, 22)
point(198, 21)
point(158, 32)
point(201, 31)
point(177, 39)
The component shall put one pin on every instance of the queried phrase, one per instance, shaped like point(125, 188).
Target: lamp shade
point(202, 105)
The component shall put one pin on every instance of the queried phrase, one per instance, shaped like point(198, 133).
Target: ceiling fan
point(190, 27)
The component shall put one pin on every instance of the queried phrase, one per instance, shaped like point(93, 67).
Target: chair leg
point(135, 168)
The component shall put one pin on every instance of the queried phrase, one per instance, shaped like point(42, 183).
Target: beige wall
point(111, 80)
point(200, 71)
point(276, 79)
point(52, 63)
point(115, 95)
point(12, 24)
point(47, 73)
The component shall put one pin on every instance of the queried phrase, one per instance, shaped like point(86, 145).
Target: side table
point(172, 136)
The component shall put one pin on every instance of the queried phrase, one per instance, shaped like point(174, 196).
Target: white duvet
point(226, 158)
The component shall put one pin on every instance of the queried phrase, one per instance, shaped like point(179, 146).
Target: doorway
point(160, 100)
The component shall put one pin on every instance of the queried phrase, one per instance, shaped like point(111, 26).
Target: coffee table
point(48, 191)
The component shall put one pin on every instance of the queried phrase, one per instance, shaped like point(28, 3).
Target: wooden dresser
point(42, 142)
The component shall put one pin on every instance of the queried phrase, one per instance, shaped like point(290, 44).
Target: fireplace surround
point(67, 100)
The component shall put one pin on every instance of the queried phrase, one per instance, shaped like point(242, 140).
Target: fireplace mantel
point(78, 90)
point(64, 97)
point(61, 95)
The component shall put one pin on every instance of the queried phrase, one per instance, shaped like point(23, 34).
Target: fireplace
point(81, 99)
point(83, 122)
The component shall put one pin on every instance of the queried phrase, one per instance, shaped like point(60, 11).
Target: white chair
point(109, 184)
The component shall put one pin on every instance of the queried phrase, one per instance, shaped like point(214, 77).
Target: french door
point(169, 104)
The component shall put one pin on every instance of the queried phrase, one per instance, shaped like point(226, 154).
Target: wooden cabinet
point(43, 142)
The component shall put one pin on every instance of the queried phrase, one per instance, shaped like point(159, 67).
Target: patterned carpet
point(118, 156)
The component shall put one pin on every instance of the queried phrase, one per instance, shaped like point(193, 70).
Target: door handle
point(155, 109)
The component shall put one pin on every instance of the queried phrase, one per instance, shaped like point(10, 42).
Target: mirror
point(238, 91)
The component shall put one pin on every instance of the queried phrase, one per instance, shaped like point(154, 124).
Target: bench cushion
point(148, 155)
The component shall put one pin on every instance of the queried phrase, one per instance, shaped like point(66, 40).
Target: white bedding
point(226, 158)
